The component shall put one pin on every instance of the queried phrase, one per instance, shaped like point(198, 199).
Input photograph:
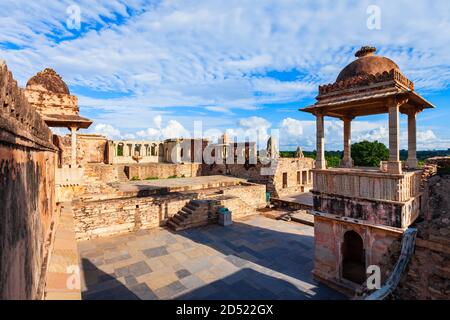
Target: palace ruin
point(138, 219)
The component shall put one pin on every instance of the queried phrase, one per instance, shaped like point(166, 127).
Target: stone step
point(183, 213)
point(178, 218)
point(172, 225)
point(191, 206)
point(187, 210)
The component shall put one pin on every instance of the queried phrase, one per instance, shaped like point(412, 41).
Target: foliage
point(332, 156)
point(135, 178)
point(369, 154)
point(332, 161)
point(151, 178)
point(172, 177)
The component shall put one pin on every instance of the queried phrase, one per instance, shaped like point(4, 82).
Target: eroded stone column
point(412, 158)
point(320, 141)
point(347, 160)
point(73, 154)
point(394, 165)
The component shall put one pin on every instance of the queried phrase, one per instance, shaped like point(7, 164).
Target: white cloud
point(251, 63)
point(426, 135)
point(293, 127)
point(174, 53)
point(173, 129)
point(108, 131)
point(214, 55)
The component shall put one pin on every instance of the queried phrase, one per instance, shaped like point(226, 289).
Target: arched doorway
point(353, 258)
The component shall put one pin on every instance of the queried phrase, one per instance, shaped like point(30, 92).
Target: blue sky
point(149, 69)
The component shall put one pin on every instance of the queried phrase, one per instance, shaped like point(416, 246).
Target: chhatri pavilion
point(359, 211)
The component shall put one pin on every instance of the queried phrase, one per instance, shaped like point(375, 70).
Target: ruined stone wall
point(107, 217)
point(389, 213)
point(328, 237)
point(27, 193)
point(274, 182)
point(47, 102)
point(428, 272)
point(299, 176)
point(112, 216)
point(90, 149)
point(163, 170)
point(427, 275)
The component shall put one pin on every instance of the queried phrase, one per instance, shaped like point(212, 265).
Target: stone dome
point(367, 64)
point(48, 80)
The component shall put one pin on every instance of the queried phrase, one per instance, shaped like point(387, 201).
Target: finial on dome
point(365, 51)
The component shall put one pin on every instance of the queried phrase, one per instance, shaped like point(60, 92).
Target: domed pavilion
point(50, 95)
point(369, 85)
point(359, 212)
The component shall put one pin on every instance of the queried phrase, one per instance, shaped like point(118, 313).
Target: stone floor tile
point(155, 252)
point(183, 273)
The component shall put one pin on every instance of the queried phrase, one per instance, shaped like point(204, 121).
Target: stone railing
point(374, 184)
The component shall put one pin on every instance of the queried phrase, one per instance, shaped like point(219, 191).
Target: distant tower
point(225, 142)
point(299, 153)
point(224, 139)
point(272, 149)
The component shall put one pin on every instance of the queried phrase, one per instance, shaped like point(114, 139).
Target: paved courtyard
point(255, 258)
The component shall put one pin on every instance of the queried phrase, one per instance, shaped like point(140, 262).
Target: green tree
point(332, 160)
point(369, 154)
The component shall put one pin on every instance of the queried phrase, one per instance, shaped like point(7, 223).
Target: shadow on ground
point(265, 259)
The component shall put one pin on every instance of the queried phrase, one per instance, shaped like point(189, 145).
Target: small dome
point(367, 63)
point(48, 80)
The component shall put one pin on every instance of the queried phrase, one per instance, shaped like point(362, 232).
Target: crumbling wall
point(112, 216)
point(27, 193)
point(163, 170)
point(428, 273)
point(258, 173)
point(91, 148)
point(328, 237)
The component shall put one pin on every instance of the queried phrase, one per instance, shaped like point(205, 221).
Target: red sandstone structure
point(359, 212)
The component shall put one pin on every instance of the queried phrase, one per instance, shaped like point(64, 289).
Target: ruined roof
point(65, 121)
point(48, 80)
point(367, 64)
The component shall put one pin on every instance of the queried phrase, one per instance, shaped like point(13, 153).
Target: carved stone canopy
point(48, 80)
point(365, 87)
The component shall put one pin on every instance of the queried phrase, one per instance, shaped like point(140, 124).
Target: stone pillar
point(347, 160)
point(394, 165)
point(73, 154)
point(320, 141)
point(412, 158)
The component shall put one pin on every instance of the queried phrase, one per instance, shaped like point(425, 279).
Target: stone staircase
point(194, 214)
point(121, 175)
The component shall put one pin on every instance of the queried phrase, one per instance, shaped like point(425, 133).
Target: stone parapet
point(368, 184)
point(20, 124)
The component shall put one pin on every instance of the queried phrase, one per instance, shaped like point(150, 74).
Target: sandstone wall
point(107, 217)
point(428, 273)
point(389, 213)
point(113, 216)
point(274, 182)
point(52, 103)
point(163, 170)
point(27, 193)
point(328, 237)
point(91, 148)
